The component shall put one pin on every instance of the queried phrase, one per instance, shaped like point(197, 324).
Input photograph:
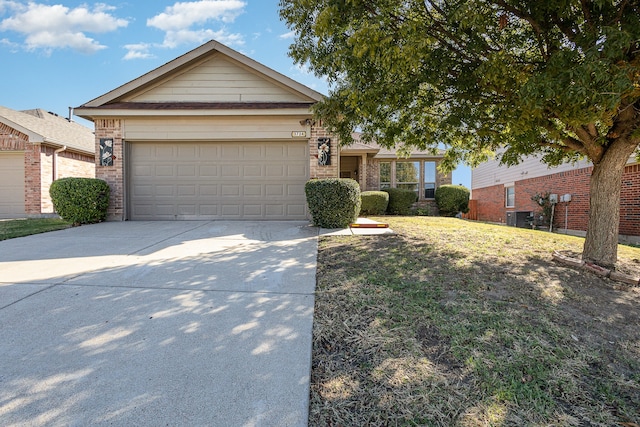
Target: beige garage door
point(11, 185)
point(231, 180)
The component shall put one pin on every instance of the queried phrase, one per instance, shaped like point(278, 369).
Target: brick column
point(32, 180)
point(316, 171)
point(113, 175)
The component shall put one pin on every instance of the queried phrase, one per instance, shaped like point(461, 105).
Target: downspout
point(55, 161)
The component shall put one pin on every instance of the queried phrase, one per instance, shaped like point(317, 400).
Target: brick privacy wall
point(69, 164)
point(315, 170)
point(491, 203)
point(576, 213)
point(113, 175)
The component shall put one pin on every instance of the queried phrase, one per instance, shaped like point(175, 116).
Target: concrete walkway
point(158, 323)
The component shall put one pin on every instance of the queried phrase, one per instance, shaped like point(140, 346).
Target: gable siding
point(491, 173)
point(218, 80)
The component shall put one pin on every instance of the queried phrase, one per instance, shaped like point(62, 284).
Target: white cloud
point(51, 27)
point(289, 35)
point(185, 14)
point(138, 51)
point(185, 22)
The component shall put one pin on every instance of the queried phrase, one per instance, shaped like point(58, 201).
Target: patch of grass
point(10, 229)
point(460, 323)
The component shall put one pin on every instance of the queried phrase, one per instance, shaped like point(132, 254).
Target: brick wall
point(32, 179)
point(491, 203)
point(317, 171)
point(573, 215)
point(69, 164)
point(373, 175)
point(11, 139)
point(630, 204)
point(113, 175)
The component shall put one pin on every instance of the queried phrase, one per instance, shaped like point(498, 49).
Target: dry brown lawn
point(457, 323)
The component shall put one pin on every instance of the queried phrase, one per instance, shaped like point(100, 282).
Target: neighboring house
point(504, 195)
point(377, 168)
point(214, 134)
point(37, 147)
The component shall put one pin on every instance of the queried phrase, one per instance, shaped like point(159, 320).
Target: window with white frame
point(510, 196)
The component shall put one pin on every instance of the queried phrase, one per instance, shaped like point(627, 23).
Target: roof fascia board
point(175, 64)
point(93, 113)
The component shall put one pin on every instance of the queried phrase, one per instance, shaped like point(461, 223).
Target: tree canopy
point(534, 76)
point(515, 77)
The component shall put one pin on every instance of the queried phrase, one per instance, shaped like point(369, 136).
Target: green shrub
point(452, 199)
point(374, 202)
point(400, 200)
point(80, 200)
point(334, 202)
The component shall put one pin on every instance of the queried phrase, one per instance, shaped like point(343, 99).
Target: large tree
point(559, 78)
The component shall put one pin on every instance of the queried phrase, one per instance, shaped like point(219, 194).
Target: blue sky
point(62, 53)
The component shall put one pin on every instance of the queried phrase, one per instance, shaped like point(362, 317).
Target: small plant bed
point(453, 322)
point(12, 228)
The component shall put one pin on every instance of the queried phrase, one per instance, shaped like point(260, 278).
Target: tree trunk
point(601, 244)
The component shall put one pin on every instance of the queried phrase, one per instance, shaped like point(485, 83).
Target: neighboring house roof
point(43, 127)
point(136, 94)
point(361, 147)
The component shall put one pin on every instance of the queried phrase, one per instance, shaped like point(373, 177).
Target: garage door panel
point(252, 211)
point(187, 171)
point(296, 210)
point(166, 171)
point(252, 171)
point(296, 171)
point(274, 171)
point(252, 190)
point(253, 153)
point(295, 190)
point(273, 190)
point(235, 180)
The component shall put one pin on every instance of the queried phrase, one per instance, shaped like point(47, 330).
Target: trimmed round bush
point(333, 202)
point(452, 199)
point(80, 200)
point(374, 202)
point(400, 200)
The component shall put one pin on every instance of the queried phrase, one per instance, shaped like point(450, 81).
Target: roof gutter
point(55, 161)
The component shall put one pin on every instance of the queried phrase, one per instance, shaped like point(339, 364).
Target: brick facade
point(573, 215)
point(113, 175)
point(38, 168)
point(317, 171)
point(68, 164)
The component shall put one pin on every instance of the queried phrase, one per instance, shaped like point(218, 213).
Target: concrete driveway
point(203, 323)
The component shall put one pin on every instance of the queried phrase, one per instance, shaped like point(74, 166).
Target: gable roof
point(43, 127)
point(118, 97)
point(379, 152)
